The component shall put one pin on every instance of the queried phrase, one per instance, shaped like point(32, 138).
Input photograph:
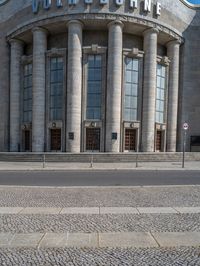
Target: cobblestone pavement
point(101, 257)
point(100, 223)
point(88, 197)
point(111, 196)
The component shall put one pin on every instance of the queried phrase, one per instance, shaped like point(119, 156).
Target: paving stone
point(26, 240)
point(10, 210)
point(40, 210)
point(126, 239)
point(173, 239)
point(83, 210)
point(118, 210)
point(5, 239)
point(156, 210)
point(188, 209)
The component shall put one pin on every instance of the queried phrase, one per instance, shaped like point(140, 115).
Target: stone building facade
point(99, 75)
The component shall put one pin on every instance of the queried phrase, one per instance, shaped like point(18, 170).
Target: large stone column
point(38, 120)
point(149, 89)
point(173, 50)
point(15, 88)
point(74, 86)
point(114, 83)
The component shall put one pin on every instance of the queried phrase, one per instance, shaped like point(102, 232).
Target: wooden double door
point(56, 139)
point(130, 139)
point(92, 139)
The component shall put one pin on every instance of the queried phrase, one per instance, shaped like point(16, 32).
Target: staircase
point(98, 157)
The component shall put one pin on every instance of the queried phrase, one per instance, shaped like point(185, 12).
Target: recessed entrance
point(159, 140)
point(130, 139)
point(27, 140)
point(92, 139)
point(56, 139)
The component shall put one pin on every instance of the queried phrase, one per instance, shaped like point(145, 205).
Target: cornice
point(190, 5)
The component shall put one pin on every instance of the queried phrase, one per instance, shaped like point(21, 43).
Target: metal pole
point(44, 160)
point(184, 144)
point(136, 162)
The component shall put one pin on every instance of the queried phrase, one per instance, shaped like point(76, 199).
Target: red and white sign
point(185, 126)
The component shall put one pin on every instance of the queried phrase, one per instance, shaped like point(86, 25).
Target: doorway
point(130, 139)
point(56, 139)
point(92, 139)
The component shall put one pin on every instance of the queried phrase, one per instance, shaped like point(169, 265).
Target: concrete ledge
point(81, 210)
point(173, 239)
point(96, 240)
point(156, 210)
point(98, 210)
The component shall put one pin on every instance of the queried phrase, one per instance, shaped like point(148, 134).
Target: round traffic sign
point(185, 126)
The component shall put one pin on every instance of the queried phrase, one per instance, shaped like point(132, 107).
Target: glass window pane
point(98, 61)
point(91, 62)
point(128, 89)
point(94, 87)
point(135, 64)
point(128, 76)
point(128, 63)
point(135, 77)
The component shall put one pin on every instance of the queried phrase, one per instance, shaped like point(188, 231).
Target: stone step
point(98, 157)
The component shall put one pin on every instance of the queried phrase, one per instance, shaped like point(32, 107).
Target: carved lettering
point(119, 2)
point(46, 4)
point(134, 4)
point(147, 5)
point(158, 9)
point(35, 6)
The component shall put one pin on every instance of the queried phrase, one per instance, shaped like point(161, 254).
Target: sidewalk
point(28, 166)
point(100, 226)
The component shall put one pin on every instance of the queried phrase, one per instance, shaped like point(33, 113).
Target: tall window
point(131, 89)
point(94, 87)
point(27, 94)
point(160, 93)
point(56, 88)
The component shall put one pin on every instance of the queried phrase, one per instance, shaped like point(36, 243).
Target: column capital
point(16, 41)
point(75, 21)
point(174, 42)
point(35, 29)
point(115, 22)
point(150, 30)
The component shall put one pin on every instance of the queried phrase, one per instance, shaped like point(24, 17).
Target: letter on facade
point(158, 9)
point(134, 3)
point(147, 5)
point(35, 6)
point(46, 4)
point(59, 3)
point(103, 2)
point(119, 2)
point(88, 2)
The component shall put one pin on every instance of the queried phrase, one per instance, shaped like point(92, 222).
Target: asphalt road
point(99, 178)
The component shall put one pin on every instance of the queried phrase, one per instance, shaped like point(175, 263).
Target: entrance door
point(130, 139)
point(93, 139)
point(27, 140)
point(159, 140)
point(56, 139)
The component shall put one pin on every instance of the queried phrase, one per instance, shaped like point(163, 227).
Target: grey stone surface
point(127, 239)
point(173, 51)
point(149, 89)
point(39, 83)
point(114, 82)
point(172, 239)
point(85, 223)
point(177, 196)
point(101, 257)
point(74, 85)
point(15, 94)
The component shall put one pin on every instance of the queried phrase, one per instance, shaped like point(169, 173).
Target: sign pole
point(184, 142)
point(185, 128)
